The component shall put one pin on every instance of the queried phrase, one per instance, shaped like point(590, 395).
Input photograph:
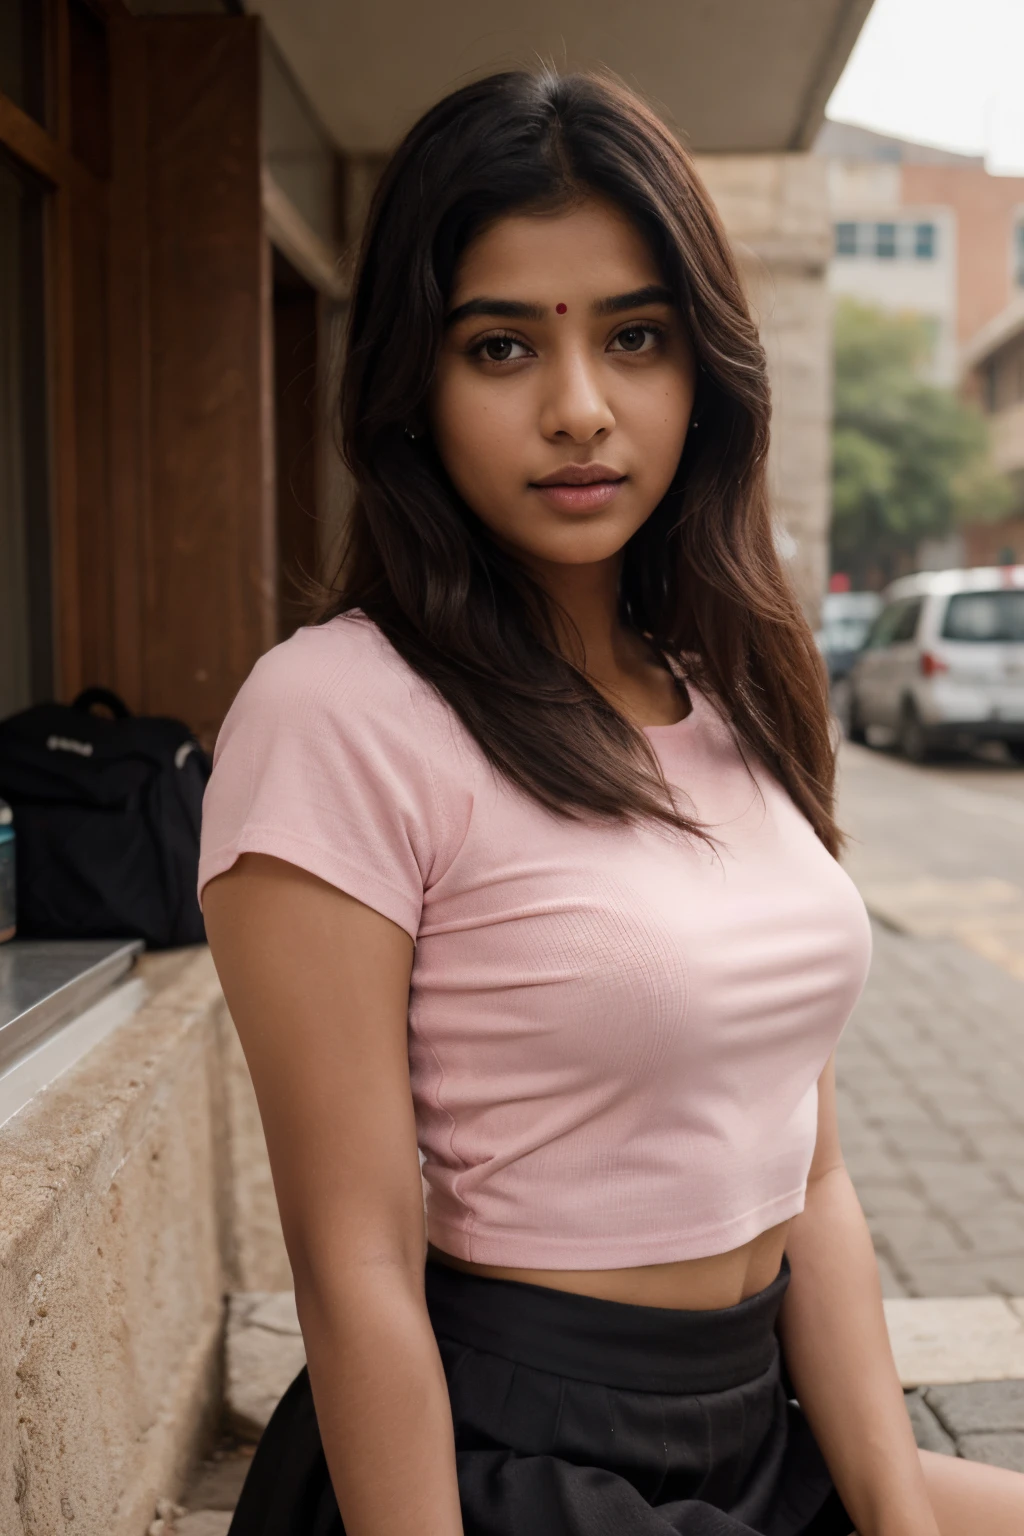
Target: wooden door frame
point(104, 511)
point(45, 151)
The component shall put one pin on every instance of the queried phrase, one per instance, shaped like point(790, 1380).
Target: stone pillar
point(775, 209)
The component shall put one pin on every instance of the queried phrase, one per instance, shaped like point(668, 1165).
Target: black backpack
point(106, 822)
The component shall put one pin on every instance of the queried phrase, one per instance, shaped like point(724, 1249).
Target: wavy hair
point(701, 577)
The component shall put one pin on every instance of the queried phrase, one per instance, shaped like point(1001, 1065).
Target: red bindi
point(560, 309)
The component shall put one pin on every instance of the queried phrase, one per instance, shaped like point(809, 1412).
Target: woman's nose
point(575, 405)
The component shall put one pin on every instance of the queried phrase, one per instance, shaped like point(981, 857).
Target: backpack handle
point(89, 697)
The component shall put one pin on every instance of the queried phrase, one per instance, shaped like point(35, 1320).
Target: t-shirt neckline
point(686, 687)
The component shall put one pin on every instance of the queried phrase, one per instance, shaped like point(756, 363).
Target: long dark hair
point(701, 577)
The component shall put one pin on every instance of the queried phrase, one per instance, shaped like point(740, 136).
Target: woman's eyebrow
point(654, 293)
point(499, 309)
point(516, 309)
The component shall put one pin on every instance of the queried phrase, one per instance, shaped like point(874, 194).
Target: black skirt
point(577, 1417)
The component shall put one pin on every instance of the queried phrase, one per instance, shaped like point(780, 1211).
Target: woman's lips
point(581, 498)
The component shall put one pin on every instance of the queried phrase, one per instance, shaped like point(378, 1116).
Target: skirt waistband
point(611, 1343)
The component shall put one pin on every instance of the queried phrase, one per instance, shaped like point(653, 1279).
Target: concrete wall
point(254, 1252)
point(126, 1187)
point(775, 208)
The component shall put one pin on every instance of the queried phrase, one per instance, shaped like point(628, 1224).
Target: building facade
point(923, 231)
point(994, 375)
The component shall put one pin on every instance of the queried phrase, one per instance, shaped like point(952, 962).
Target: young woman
point(525, 858)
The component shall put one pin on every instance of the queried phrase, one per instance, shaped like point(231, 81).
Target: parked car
point(846, 618)
point(942, 665)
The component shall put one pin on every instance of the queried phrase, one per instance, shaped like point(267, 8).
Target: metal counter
point(43, 983)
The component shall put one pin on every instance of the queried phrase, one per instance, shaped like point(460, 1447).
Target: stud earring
point(411, 435)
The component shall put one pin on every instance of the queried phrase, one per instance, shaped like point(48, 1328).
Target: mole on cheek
point(560, 309)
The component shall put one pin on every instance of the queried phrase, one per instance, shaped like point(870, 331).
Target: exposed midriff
point(691, 1285)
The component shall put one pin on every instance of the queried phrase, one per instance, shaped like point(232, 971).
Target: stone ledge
point(111, 1303)
point(264, 1354)
point(945, 1340)
point(168, 1446)
point(204, 1522)
point(961, 1361)
point(936, 1342)
point(79, 1126)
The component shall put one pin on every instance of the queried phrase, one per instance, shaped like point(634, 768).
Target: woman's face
point(565, 383)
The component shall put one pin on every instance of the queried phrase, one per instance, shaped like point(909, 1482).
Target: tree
point(909, 460)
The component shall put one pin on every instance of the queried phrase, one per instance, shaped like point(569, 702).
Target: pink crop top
point(615, 1033)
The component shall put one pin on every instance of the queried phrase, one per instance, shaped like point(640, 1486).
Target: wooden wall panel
point(84, 126)
point(209, 597)
point(93, 537)
point(297, 444)
point(128, 356)
point(63, 426)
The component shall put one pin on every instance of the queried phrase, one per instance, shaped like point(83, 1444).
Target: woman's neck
point(585, 609)
point(620, 663)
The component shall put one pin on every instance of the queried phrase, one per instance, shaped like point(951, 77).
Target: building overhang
point(1001, 329)
point(730, 76)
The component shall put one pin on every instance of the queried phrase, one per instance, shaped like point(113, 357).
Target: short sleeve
point(323, 761)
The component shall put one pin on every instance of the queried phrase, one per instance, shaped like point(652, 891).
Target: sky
point(945, 72)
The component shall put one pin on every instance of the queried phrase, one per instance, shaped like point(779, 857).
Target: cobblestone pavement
point(931, 1068)
point(931, 1083)
point(982, 1421)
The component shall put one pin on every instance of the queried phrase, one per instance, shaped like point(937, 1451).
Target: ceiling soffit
point(727, 75)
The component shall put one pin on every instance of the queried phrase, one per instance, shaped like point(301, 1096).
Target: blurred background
point(182, 187)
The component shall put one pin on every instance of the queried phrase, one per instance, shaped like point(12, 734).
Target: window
point(990, 386)
point(846, 239)
point(889, 621)
point(889, 240)
point(885, 240)
point(906, 626)
point(22, 75)
point(980, 616)
point(924, 242)
point(896, 624)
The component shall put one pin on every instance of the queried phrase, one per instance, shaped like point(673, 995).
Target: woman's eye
point(501, 349)
point(635, 338)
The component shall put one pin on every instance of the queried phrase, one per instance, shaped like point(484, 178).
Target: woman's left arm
point(837, 1348)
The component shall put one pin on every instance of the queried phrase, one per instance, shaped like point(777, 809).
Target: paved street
point(932, 1065)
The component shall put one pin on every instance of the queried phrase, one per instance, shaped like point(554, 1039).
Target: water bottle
point(7, 922)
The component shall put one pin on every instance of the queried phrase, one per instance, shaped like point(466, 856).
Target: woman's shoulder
point(344, 669)
point(326, 760)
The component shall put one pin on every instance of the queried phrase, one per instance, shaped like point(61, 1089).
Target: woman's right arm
point(318, 988)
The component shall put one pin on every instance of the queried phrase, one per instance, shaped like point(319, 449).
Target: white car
point(942, 665)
